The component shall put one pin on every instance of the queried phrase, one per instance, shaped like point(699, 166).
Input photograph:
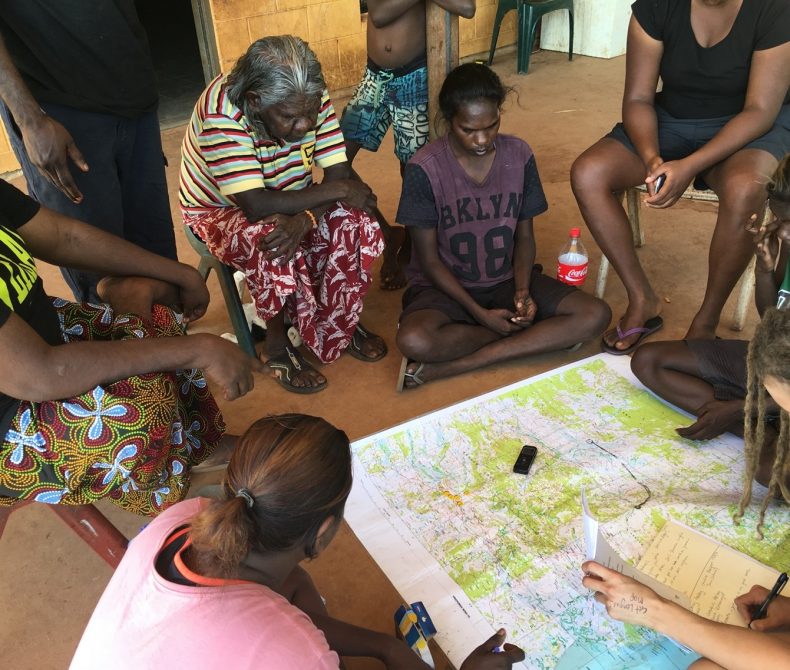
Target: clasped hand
point(506, 322)
point(358, 194)
point(282, 242)
point(677, 177)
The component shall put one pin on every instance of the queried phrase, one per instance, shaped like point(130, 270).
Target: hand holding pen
point(763, 609)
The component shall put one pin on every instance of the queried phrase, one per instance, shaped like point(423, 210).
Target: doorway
point(181, 69)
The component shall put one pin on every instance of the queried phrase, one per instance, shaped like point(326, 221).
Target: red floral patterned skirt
point(321, 287)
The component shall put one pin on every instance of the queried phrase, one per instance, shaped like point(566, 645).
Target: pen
point(775, 591)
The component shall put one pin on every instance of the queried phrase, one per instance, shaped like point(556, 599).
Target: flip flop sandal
point(648, 328)
point(287, 366)
point(355, 346)
point(414, 377)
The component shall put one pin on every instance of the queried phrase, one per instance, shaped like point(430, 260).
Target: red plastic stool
point(89, 523)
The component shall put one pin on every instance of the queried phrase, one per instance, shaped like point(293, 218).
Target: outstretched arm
point(731, 647)
point(31, 369)
point(49, 145)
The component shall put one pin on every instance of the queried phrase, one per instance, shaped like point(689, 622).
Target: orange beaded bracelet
point(312, 218)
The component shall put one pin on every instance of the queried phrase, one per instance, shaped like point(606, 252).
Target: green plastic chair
point(229, 292)
point(529, 13)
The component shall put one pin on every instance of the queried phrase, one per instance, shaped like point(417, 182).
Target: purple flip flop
point(648, 328)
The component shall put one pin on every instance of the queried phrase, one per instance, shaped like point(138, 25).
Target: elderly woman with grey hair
point(246, 190)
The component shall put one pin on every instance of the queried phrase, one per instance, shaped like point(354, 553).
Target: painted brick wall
point(334, 29)
point(8, 161)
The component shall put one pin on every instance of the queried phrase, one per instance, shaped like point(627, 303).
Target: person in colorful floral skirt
point(90, 406)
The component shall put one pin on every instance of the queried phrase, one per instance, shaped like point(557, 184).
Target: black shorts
point(677, 138)
point(722, 364)
point(545, 291)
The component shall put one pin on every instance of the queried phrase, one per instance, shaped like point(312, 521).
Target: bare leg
point(670, 370)
point(395, 239)
point(740, 184)
point(605, 169)
point(276, 342)
point(136, 295)
point(445, 348)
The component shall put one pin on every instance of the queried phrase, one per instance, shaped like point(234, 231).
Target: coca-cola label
point(572, 274)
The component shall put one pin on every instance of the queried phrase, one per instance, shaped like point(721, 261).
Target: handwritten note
point(709, 573)
point(598, 549)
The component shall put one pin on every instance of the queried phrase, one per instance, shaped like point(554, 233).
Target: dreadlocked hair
point(779, 186)
point(769, 356)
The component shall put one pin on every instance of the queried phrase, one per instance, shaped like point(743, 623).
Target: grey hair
point(275, 69)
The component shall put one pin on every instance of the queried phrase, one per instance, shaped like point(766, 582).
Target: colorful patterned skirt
point(321, 287)
point(132, 441)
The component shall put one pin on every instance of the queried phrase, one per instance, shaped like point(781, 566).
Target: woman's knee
point(647, 361)
point(414, 341)
point(586, 173)
point(590, 315)
point(743, 194)
point(599, 168)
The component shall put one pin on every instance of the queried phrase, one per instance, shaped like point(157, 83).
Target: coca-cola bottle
point(572, 261)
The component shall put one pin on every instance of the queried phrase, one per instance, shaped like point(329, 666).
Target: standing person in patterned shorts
point(394, 92)
point(247, 191)
point(103, 401)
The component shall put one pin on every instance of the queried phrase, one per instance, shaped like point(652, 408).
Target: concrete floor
point(50, 581)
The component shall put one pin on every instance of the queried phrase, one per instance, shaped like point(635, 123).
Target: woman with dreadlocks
point(766, 641)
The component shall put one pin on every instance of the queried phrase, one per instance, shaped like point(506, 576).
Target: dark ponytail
point(296, 470)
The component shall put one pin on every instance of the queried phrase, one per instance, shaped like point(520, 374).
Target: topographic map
point(436, 503)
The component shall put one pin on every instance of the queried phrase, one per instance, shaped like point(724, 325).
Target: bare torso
point(399, 42)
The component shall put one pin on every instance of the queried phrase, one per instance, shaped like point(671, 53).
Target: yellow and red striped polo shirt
point(222, 154)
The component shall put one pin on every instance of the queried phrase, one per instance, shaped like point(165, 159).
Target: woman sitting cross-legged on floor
point(213, 584)
point(475, 298)
point(103, 400)
point(247, 191)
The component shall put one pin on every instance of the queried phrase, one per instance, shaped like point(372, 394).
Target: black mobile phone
point(659, 182)
point(525, 458)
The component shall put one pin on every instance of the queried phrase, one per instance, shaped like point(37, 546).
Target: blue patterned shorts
point(384, 98)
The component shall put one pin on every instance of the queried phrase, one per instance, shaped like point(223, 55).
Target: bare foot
point(635, 317)
point(392, 273)
point(136, 295)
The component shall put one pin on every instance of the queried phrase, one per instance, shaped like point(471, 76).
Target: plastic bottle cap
point(575, 232)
